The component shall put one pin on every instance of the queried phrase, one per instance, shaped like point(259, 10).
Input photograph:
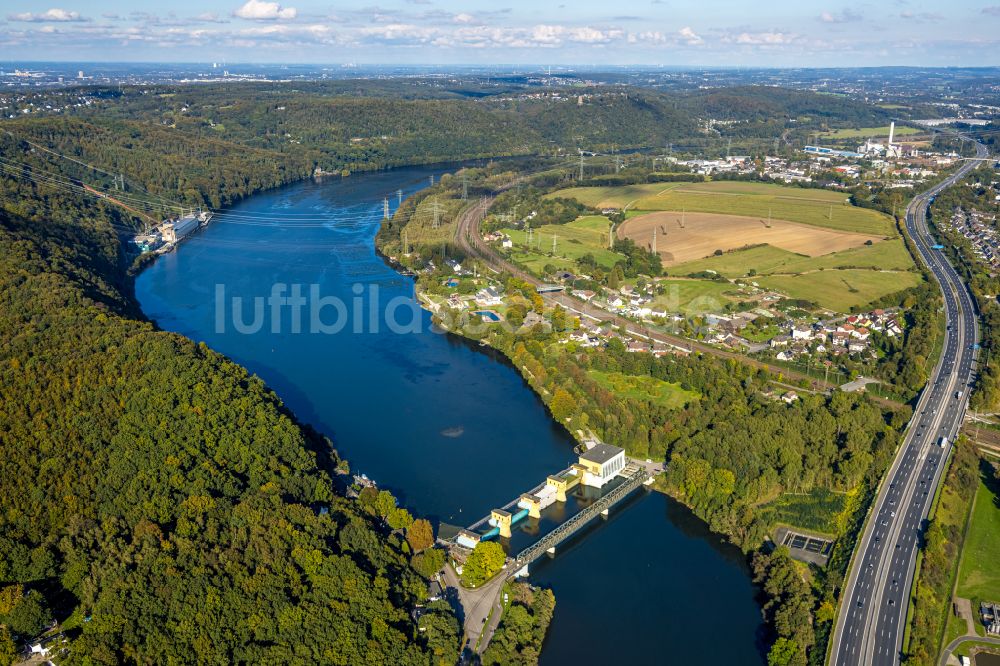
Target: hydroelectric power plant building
point(174, 231)
point(596, 467)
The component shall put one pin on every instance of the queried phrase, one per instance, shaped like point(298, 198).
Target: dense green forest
point(362, 125)
point(518, 640)
point(164, 506)
point(157, 499)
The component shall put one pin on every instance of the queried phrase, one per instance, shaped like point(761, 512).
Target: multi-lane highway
point(872, 613)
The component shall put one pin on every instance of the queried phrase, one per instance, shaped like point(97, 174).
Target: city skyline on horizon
point(653, 33)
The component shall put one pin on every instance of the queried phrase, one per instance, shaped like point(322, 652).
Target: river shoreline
point(433, 384)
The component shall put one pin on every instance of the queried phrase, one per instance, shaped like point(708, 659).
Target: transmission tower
point(436, 210)
point(385, 208)
point(399, 197)
point(465, 187)
point(581, 165)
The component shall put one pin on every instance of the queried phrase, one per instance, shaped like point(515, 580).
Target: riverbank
point(667, 403)
point(466, 432)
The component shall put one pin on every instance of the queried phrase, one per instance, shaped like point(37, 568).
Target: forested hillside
point(768, 102)
point(156, 498)
point(165, 506)
point(371, 124)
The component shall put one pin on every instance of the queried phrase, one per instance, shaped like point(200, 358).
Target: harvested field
point(682, 237)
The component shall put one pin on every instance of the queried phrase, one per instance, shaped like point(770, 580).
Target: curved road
point(946, 653)
point(871, 617)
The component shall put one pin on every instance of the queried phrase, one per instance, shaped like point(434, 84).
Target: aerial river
point(449, 427)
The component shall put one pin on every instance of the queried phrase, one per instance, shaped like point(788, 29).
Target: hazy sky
point(655, 32)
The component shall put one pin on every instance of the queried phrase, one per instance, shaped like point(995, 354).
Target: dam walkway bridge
point(635, 476)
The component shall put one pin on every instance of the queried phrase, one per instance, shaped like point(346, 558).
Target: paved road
point(476, 605)
point(958, 641)
point(871, 617)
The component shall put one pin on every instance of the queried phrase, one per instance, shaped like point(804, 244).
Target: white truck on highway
point(943, 442)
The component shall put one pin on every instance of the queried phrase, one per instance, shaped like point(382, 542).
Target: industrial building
point(989, 614)
point(601, 463)
point(596, 467)
point(178, 229)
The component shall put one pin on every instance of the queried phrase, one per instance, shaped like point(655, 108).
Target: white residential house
point(488, 297)
point(780, 341)
point(802, 333)
point(507, 243)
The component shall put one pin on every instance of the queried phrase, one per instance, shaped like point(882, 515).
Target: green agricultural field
point(978, 574)
point(645, 388)
point(694, 297)
point(868, 132)
point(821, 208)
point(613, 196)
point(585, 235)
point(768, 260)
point(535, 262)
point(841, 290)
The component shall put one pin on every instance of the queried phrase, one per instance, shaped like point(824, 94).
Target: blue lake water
point(448, 426)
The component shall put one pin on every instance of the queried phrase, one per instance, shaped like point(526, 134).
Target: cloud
point(54, 14)
point(210, 17)
point(921, 16)
point(557, 34)
point(766, 38)
point(843, 16)
point(258, 10)
point(992, 10)
point(464, 18)
point(689, 36)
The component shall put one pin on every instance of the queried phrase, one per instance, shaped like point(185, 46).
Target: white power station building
point(602, 462)
point(174, 231)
